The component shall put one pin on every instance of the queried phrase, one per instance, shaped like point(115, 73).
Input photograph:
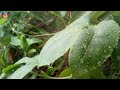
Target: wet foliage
point(59, 45)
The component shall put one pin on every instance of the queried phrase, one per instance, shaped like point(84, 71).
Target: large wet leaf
point(57, 45)
point(93, 48)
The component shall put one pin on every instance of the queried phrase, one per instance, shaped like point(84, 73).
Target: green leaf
point(66, 72)
point(75, 15)
point(2, 21)
point(90, 51)
point(57, 45)
point(96, 14)
point(115, 13)
point(24, 43)
point(30, 63)
point(50, 70)
point(31, 51)
point(97, 74)
point(15, 41)
point(1, 33)
point(33, 41)
point(9, 68)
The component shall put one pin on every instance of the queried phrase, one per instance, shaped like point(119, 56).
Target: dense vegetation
point(60, 45)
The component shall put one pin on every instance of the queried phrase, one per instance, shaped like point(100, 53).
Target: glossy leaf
point(57, 45)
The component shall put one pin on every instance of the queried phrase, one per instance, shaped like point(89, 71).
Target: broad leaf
point(92, 50)
point(30, 63)
point(57, 45)
point(54, 48)
point(16, 41)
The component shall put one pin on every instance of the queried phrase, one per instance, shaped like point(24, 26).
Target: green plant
point(89, 41)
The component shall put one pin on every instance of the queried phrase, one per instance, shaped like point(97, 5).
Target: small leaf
point(24, 43)
point(30, 63)
point(50, 70)
point(31, 51)
point(9, 68)
point(65, 73)
point(96, 14)
point(33, 40)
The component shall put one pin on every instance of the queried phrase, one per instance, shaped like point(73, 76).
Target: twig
point(44, 35)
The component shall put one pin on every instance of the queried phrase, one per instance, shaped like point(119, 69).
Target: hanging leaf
point(24, 43)
point(54, 48)
point(92, 50)
point(57, 45)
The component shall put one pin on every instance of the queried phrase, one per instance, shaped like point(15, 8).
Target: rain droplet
point(85, 70)
point(109, 47)
point(94, 67)
point(106, 33)
point(99, 63)
point(89, 56)
point(98, 50)
point(81, 61)
point(100, 40)
point(88, 33)
point(104, 51)
point(85, 40)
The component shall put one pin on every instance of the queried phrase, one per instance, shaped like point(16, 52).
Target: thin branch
point(44, 35)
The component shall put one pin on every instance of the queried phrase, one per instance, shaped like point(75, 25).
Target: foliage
point(60, 45)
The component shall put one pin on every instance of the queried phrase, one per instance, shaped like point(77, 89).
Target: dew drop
point(81, 61)
point(109, 47)
point(94, 67)
point(89, 56)
point(100, 40)
point(85, 70)
point(99, 63)
point(104, 51)
point(106, 33)
point(88, 33)
point(85, 40)
point(98, 50)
